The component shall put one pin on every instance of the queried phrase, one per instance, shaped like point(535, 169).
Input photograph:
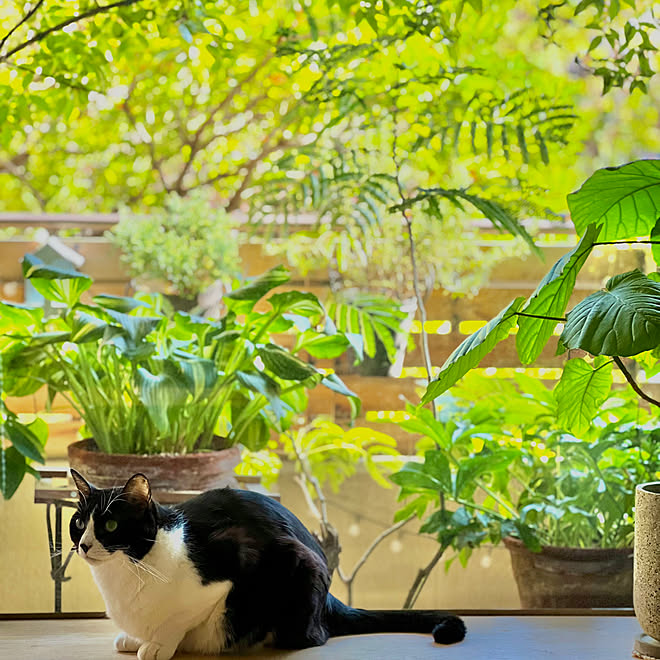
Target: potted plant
point(615, 205)
point(160, 387)
point(184, 248)
point(501, 463)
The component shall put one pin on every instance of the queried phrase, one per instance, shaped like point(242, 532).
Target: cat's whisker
point(151, 570)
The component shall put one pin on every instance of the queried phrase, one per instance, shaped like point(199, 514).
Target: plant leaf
point(623, 319)
point(24, 438)
point(242, 300)
point(625, 200)
point(263, 384)
point(284, 364)
point(118, 303)
point(12, 470)
point(473, 349)
point(160, 393)
point(296, 302)
point(655, 248)
point(580, 391)
point(470, 469)
point(550, 299)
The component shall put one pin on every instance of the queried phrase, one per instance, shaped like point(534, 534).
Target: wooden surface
point(489, 638)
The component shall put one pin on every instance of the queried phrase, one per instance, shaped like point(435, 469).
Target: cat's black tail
point(343, 620)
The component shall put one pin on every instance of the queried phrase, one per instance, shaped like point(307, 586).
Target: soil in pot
point(572, 577)
point(195, 471)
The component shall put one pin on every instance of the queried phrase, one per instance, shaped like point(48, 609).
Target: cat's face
point(113, 520)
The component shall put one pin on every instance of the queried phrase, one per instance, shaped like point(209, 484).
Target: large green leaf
point(161, 394)
point(12, 470)
point(241, 301)
point(323, 346)
point(285, 365)
point(263, 384)
point(655, 247)
point(136, 327)
point(580, 391)
point(19, 318)
point(296, 302)
point(623, 319)
point(471, 351)
point(200, 375)
point(57, 284)
point(436, 463)
point(29, 439)
point(118, 303)
point(550, 299)
point(625, 200)
point(470, 469)
point(414, 478)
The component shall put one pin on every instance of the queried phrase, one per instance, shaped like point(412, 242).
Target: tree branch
point(73, 19)
point(422, 577)
point(633, 383)
point(413, 261)
point(155, 162)
point(23, 20)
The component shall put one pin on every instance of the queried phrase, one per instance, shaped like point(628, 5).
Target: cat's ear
point(83, 486)
point(138, 490)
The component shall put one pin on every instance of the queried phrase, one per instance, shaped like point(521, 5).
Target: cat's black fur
point(278, 569)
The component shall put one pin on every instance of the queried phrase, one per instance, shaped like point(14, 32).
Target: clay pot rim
point(649, 488)
point(89, 446)
point(571, 553)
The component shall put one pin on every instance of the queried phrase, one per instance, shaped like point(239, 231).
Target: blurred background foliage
point(340, 109)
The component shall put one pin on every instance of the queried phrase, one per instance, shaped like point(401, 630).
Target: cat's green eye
point(111, 525)
point(80, 523)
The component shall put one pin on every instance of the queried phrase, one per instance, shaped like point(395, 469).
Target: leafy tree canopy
point(288, 105)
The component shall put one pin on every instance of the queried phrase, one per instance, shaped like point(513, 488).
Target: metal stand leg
point(57, 567)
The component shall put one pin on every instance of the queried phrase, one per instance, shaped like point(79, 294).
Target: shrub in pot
point(151, 384)
point(500, 465)
point(615, 205)
point(186, 246)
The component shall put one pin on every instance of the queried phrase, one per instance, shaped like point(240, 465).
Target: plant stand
point(646, 648)
point(63, 494)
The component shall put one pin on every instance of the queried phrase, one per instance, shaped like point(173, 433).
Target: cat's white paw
point(155, 651)
point(126, 644)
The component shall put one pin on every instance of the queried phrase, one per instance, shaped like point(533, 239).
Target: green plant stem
point(543, 318)
point(421, 307)
point(633, 383)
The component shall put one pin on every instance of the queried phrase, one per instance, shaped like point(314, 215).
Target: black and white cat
point(226, 570)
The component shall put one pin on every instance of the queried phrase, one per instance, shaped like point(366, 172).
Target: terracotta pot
point(647, 558)
point(198, 471)
point(572, 577)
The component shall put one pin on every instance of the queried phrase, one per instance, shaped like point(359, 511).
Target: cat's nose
point(85, 547)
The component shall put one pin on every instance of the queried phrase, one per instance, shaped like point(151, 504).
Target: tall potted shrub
point(500, 465)
point(615, 205)
point(155, 385)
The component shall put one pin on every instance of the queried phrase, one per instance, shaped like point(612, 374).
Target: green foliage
point(550, 299)
point(147, 381)
point(188, 244)
point(625, 200)
point(621, 320)
point(473, 349)
point(332, 454)
point(503, 459)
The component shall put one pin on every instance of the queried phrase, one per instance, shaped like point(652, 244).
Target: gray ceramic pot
point(646, 584)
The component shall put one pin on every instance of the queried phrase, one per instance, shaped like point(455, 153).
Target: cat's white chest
point(164, 594)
